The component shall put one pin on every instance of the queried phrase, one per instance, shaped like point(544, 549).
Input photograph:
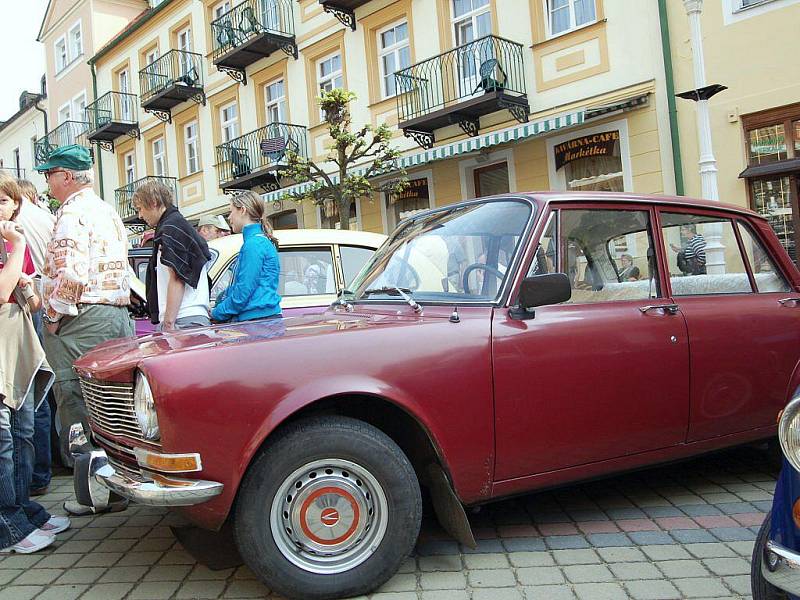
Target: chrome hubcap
point(329, 516)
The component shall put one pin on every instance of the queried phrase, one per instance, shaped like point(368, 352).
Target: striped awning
point(495, 138)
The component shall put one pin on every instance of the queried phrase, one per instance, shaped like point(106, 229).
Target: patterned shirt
point(87, 259)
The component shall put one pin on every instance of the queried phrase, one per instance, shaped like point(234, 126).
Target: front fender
point(787, 491)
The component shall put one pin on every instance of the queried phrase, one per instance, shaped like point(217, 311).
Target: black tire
point(762, 589)
point(313, 442)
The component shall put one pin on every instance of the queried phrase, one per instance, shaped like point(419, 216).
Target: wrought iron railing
point(259, 149)
point(13, 171)
point(176, 67)
point(489, 64)
point(116, 107)
point(124, 194)
point(66, 134)
point(249, 19)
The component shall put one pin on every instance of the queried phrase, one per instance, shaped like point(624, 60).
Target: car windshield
point(459, 254)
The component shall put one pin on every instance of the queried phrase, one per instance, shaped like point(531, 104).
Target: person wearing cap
point(212, 227)
point(85, 282)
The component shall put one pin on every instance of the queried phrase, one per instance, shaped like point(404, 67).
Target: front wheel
point(328, 510)
point(762, 589)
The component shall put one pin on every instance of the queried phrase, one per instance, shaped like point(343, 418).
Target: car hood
point(115, 360)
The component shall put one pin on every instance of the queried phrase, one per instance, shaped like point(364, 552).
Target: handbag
point(18, 295)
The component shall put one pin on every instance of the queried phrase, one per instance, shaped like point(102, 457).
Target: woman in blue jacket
point(253, 294)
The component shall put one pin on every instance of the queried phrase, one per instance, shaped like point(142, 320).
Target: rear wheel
point(328, 510)
point(762, 589)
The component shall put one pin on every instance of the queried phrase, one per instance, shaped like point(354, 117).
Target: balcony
point(459, 87)
point(66, 134)
point(172, 79)
point(254, 159)
point(343, 10)
point(110, 116)
point(250, 31)
point(123, 196)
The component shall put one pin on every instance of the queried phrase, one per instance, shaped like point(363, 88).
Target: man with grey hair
point(85, 279)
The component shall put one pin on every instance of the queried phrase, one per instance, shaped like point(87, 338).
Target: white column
point(715, 251)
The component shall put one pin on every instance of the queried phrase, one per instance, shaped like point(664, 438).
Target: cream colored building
point(553, 98)
point(755, 123)
point(18, 135)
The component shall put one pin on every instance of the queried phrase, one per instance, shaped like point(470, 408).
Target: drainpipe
point(677, 163)
point(99, 151)
point(44, 113)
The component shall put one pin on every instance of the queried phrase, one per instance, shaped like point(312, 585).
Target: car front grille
point(121, 457)
point(110, 407)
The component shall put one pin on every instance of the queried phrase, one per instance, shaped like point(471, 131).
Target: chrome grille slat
point(111, 409)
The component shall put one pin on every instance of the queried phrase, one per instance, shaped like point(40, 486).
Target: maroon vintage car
point(489, 348)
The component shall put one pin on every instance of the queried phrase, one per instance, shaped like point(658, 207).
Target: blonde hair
point(28, 190)
point(153, 194)
point(10, 187)
point(255, 208)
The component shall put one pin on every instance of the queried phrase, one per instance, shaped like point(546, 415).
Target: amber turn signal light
point(168, 463)
point(796, 513)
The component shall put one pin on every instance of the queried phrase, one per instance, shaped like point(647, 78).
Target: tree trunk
point(344, 204)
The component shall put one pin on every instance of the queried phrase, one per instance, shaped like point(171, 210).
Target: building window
point(185, 45)
point(75, 41)
point(129, 161)
point(151, 56)
point(329, 216)
point(275, 101)
point(491, 180)
point(65, 113)
point(221, 8)
point(159, 158)
point(773, 172)
point(591, 162)
point(415, 198)
point(394, 54)
point(62, 60)
point(566, 15)
point(472, 19)
point(79, 107)
point(329, 73)
point(229, 121)
point(190, 147)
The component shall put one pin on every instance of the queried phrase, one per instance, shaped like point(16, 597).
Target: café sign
point(588, 146)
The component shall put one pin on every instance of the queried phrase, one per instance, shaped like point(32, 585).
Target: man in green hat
point(85, 280)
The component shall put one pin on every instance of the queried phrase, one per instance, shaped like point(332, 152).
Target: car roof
point(301, 237)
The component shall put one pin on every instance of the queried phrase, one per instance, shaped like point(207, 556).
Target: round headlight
point(145, 408)
point(789, 432)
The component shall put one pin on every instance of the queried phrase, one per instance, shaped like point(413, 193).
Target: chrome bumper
point(786, 574)
point(180, 492)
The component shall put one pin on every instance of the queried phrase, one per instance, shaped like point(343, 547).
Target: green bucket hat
point(73, 157)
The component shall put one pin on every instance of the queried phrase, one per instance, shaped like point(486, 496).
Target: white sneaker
point(56, 525)
point(35, 541)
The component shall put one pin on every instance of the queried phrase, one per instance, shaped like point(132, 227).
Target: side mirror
point(541, 290)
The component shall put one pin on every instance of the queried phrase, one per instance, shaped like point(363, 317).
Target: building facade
point(755, 122)
point(18, 137)
point(483, 96)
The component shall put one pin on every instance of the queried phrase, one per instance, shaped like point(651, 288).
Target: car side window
point(306, 271)
point(224, 280)
point(608, 255)
point(703, 255)
point(766, 273)
point(353, 258)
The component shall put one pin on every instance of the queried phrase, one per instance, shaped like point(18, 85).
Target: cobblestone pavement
point(681, 531)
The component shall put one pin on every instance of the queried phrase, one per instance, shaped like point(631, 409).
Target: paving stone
point(662, 512)
point(740, 584)
point(742, 548)
point(600, 591)
point(727, 566)
point(530, 559)
point(692, 536)
point(8, 575)
point(611, 555)
point(132, 559)
point(497, 594)
point(94, 559)
point(444, 595)
point(486, 561)
point(560, 542)
point(58, 561)
point(74, 575)
point(666, 552)
point(576, 557)
point(682, 568)
point(606, 540)
point(588, 573)
point(37, 576)
point(525, 544)
point(402, 582)
point(650, 537)
point(701, 588)
point(547, 529)
point(626, 513)
point(200, 589)
point(637, 525)
point(441, 581)
point(588, 527)
point(115, 546)
point(715, 550)
point(154, 544)
point(491, 578)
point(540, 575)
point(549, 592)
point(652, 590)
point(735, 508)
point(21, 561)
point(701, 510)
point(434, 547)
point(167, 573)
point(177, 557)
point(489, 546)
point(154, 590)
point(733, 534)
point(62, 592)
point(441, 563)
point(123, 574)
point(107, 591)
point(20, 592)
point(641, 570)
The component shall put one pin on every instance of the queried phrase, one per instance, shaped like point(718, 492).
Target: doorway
point(491, 180)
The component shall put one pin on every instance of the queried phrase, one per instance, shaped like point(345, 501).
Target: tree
point(368, 148)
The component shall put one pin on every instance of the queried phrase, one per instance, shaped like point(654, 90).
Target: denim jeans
point(41, 430)
point(19, 515)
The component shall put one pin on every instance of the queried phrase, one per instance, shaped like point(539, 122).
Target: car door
point(601, 376)
point(744, 336)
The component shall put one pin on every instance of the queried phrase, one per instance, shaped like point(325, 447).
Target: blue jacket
point(254, 291)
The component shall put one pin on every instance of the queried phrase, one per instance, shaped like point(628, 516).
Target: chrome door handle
point(785, 301)
point(671, 309)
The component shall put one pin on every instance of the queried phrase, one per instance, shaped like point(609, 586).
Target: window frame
point(68, 106)
point(215, 10)
point(333, 75)
point(741, 223)
point(394, 49)
point(79, 28)
point(159, 157)
point(230, 123)
point(471, 16)
point(548, 26)
point(80, 113)
point(129, 167)
point(191, 142)
point(279, 103)
point(60, 68)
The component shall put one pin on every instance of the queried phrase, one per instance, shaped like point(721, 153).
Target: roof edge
point(132, 27)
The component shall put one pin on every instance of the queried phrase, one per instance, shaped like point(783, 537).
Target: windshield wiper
point(391, 290)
